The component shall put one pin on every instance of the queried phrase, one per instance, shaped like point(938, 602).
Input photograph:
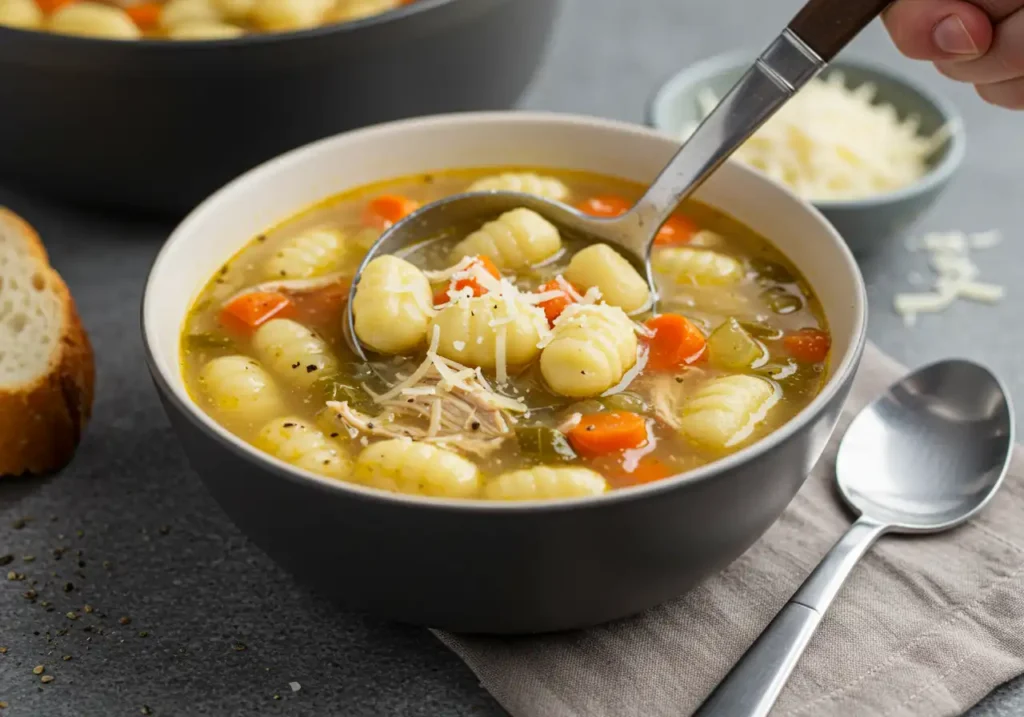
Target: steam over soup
point(512, 360)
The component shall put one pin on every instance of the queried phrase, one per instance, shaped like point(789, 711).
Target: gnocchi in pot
point(508, 361)
point(185, 19)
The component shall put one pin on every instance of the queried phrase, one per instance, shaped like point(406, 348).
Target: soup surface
point(184, 19)
point(511, 360)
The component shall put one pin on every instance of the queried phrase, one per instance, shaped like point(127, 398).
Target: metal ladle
point(815, 35)
point(924, 457)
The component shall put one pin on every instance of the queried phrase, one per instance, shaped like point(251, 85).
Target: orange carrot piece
point(441, 297)
point(553, 308)
point(677, 230)
point(145, 15)
point(808, 345)
point(648, 470)
point(250, 311)
point(388, 209)
point(677, 341)
point(605, 206)
point(321, 306)
point(49, 6)
point(600, 433)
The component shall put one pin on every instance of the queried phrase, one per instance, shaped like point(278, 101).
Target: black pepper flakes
point(296, 364)
point(20, 523)
point(334, 435)
point(145, 709)
point(68, 587)
point(475, 425)
point(6, 560)
point(311, 368)
point(165, 529)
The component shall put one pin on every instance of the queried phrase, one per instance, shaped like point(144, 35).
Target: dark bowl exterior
point(157, 126)
point(553, 568)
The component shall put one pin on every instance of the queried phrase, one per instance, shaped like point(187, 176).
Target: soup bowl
point(476, 566)
point(156, 125)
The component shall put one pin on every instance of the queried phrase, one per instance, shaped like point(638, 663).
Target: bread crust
point(41, 423)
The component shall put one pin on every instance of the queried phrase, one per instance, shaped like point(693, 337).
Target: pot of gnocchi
point(535, 443)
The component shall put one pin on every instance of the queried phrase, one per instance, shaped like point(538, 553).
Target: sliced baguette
point(46, 361)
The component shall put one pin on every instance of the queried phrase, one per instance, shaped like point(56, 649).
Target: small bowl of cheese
point(869, 148)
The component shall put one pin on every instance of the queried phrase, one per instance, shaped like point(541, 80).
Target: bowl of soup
point(529, 447)
point(151, 106)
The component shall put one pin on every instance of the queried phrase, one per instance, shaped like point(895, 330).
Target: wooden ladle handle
point(826, 26)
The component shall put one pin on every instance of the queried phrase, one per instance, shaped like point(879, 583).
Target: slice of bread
point(46, 361)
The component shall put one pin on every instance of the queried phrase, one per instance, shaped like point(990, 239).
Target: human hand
point(975, 41)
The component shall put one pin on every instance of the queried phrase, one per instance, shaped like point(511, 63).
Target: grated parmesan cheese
point(835, 142)
point(956, 275)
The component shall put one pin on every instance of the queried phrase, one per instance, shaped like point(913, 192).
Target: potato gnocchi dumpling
point(404, 466)
point(525, 182)
point(93, 19)
point(349, 10)
point(518, 239)
point(393, 306)
point(535, 370)
point(545, 483)
point(311, 253)
point(472, 331)
point(21, 14)
point(619, 283)
point(205, 31)
point(591, 350)
point(293, 352)
point(278, 15)
point(724, 411)
point(239, 386)
point(178, 13)
point(295, 441)
point(699, 267)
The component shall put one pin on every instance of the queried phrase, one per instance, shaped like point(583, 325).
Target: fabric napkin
point(924, 626)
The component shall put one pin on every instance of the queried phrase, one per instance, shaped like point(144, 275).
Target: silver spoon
point(926, 456)
point(814, 36)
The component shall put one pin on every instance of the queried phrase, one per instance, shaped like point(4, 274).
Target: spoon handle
point(815, 35)
point(754, 683)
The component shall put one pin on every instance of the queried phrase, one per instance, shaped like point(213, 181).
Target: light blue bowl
point(865, 224)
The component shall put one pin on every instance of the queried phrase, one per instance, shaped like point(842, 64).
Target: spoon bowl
point(930, 452)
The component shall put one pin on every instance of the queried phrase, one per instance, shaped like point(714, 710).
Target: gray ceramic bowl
point(469, 565)
point(867, 223)
point(156, 125)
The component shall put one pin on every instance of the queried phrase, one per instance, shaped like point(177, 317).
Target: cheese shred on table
point(833, 142)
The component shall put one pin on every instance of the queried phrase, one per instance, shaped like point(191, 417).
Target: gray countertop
point(215, 627)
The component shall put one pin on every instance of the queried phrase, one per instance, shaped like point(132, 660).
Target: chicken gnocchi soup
point(510, 360)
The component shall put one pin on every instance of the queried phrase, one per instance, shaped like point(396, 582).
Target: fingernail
point(951, 36)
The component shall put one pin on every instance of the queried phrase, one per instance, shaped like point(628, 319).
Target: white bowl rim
point(703, 70)
point(171, 383)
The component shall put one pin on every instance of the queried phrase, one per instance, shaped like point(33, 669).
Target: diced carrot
point(607, 205)
point(808, 345)
point(648, 470)
point(553, 308)
point(250, 311)
point(600, 433)
point(388, 209)
point(144, 15)
point(677, 230)
point(322, 306)
point(49, 6)
point(441, 297)
point(677, 341)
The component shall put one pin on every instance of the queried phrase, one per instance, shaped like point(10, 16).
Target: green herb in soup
point(512, 361)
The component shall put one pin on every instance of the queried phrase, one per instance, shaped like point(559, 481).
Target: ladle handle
point(815, 35)
point(754, 683)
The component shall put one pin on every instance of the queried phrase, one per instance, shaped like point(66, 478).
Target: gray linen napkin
point(924, 626)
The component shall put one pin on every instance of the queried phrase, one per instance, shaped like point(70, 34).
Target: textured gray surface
point(190, 581)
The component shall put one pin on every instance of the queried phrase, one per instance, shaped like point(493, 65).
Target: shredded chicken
point(668, 393)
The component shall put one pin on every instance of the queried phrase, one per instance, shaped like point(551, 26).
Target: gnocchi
point(179, 13)
point(405, 466)
point(525, 182)
point(304, 446)
point(293, 352)
point(393, 306)
point(238, 386)
point(205, 31)
point(21, 14)
point(518, 239)
point(619, 283)
point(546, 483)
point(349, 10)
point(278, 15)
point(590, 351)
point(234, 10)
point(700, 267)
point(724, 411)
point(485, 329)
point(311, 253)
point(93, 19)
point(532, 370)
